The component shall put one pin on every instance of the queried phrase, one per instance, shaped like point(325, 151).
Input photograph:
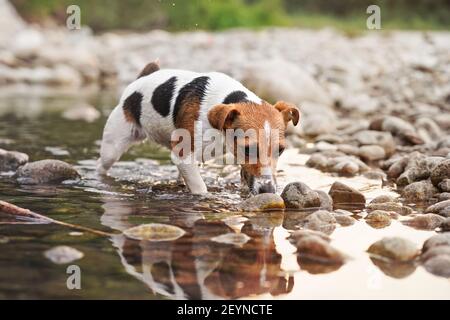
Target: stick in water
point(16, 211)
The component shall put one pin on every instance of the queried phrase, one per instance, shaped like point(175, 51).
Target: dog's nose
point(266, 188)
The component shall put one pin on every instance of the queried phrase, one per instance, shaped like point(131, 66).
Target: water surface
point(143, 188)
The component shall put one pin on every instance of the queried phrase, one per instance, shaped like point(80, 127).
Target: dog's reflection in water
point(194, 267)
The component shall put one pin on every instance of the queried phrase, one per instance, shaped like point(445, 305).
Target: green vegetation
point(176, 15)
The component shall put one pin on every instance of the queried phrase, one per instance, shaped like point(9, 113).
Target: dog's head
point(257, 138)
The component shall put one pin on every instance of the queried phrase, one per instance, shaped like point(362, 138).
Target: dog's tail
point(149, 69)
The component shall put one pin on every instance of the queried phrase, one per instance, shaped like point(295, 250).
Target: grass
point(181, 15)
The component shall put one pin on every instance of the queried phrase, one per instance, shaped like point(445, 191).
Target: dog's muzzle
point(261, 184)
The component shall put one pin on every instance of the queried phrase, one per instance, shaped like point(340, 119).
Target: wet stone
point(442, 239)
point(236, 239)
point(262, 202)
point(45, 171)
point(154, 232)
point(394, 248)
point(299, 234)
point(63, 254)
point(428, 221)
point(435, 251)
point(318, 249)
point(438, 265)
point(326, 203)
point(298, 195)
point(344, 195)
point(321, 220)
point(11, 160)
point(382, 199)
point(343, 219)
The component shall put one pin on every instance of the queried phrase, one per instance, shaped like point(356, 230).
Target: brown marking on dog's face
point(269, 122)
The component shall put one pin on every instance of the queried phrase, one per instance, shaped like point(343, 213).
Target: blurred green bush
point(176, 15)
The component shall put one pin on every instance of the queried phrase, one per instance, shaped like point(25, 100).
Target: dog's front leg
point(192, 178)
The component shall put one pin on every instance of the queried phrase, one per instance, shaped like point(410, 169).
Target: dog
point(161, 101)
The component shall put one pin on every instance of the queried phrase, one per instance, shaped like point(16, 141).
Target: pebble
point(390, 206)
point(45, 171)
point(440, 172)
point(395, 248)
point(344, 195)
point(320, 220)
point(298, 195)
point(11, 160)
point(429, 221)
point(262, 202)
point(63, 254)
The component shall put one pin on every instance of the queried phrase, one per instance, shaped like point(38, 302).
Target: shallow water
point(142, 188)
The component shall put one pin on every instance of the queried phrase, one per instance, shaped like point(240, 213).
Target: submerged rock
point(299, 234)
point(439, 265)
point(298, 195)
point(236, 239)
point(442, 239)
point(154, 232)
point(419, 191)
point(317, 249)
point(428, 221)
point(344, 195)
point(261, 202)
point(320, 220)
point(11, 160)
point(63, 254)
point(394, 248)
point(46, 171)
point(344, 219)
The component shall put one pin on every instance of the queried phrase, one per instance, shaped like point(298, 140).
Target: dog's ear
point(289, 112)
point(222, 116)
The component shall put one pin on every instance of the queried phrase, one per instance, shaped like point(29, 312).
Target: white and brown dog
point(159, 102)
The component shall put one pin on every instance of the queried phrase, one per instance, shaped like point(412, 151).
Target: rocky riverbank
point(374, 107)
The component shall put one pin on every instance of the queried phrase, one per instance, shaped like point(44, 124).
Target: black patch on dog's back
point(194, 90)
point(132, 107)
point(235, 97)
point(162, 96)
